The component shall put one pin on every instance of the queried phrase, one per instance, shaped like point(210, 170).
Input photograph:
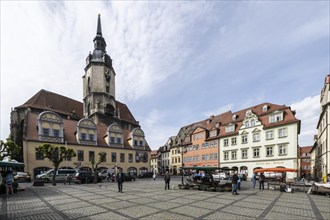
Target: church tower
point(99, 82)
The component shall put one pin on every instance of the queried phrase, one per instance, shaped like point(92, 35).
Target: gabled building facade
point(320, 152)
point(261, 136)
point(99, 124)
point(305, 162)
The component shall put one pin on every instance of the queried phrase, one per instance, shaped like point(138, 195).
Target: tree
point(56, 155)
point(8, 148)
point(101, 159)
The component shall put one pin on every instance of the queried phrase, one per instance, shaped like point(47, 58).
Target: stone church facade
point(99, 124)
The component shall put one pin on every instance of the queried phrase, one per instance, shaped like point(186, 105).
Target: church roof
point(70, 130)
point(49, 101)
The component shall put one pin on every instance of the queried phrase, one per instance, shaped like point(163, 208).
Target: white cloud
point(156, 129)
point(228, 50)
point(308, 111)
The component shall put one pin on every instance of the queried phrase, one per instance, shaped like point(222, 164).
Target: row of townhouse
point(320, 152)
point(262, 136)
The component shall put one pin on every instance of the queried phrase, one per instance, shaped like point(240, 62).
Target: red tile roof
point(45, 100)
point(226, 118)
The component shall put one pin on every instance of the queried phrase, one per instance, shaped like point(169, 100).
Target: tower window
point(107, 89)
point(89, 85)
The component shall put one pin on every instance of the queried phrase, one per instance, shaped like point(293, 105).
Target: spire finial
point(99, 30)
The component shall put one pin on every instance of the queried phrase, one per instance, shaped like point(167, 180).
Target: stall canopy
point(8, 164)
point(206, 168)
point(275, 169)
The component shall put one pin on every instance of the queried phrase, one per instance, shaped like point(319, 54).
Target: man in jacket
point(120, 179)
point(262, 181)
point(167, 179)
point(234, 184)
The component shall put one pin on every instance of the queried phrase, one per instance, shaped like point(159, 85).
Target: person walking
point(9, 182)
point(254, 180)
point(120, 180)
point(239, 181)
point(234, 181)
point(68, 179)
point(167, 179)
point(154, 176)
point(262, 181)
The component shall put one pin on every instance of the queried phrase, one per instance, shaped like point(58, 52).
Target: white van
point(61, 174)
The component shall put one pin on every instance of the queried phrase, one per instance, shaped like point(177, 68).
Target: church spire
point(99, 29)
point(99, 42)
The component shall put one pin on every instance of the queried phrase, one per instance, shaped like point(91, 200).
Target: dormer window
point(86, 132)
point(138, 139)
point(217, 125)
point(213, 133)
point(230, 128)
point(115, 136)
point(50, 127)
point(276, 117)
point(234, 117)
point(264, 108)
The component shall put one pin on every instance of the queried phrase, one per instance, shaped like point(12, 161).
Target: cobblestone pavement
point(147, 199)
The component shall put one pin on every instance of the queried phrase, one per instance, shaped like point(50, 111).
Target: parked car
point(85, 177)
point(61, 174)
point(129, 177)
point(22, 176)
point(220, 176)
point(104, 173)
point(146, 175)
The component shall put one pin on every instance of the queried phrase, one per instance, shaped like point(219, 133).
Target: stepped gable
point(45, 100)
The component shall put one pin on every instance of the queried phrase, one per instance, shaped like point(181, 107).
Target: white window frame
point(226, 142)
point(234, 142)
point(256, 137)
point(226, 155)
point(269, 135)
point(282, 132)
point(234, 155)
point(269, 151)
point(276, 118)
point(244, 139)
point(230, 128)
point(282, 150)
point(244, 153)
point(256, 152)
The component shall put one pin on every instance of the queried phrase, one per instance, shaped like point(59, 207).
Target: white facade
point(154, 165)
point(260, 143)
point(321, 150)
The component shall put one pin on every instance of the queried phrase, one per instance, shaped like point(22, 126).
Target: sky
point(176, 62)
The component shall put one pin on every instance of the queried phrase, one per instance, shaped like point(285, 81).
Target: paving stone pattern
point(147, 199)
